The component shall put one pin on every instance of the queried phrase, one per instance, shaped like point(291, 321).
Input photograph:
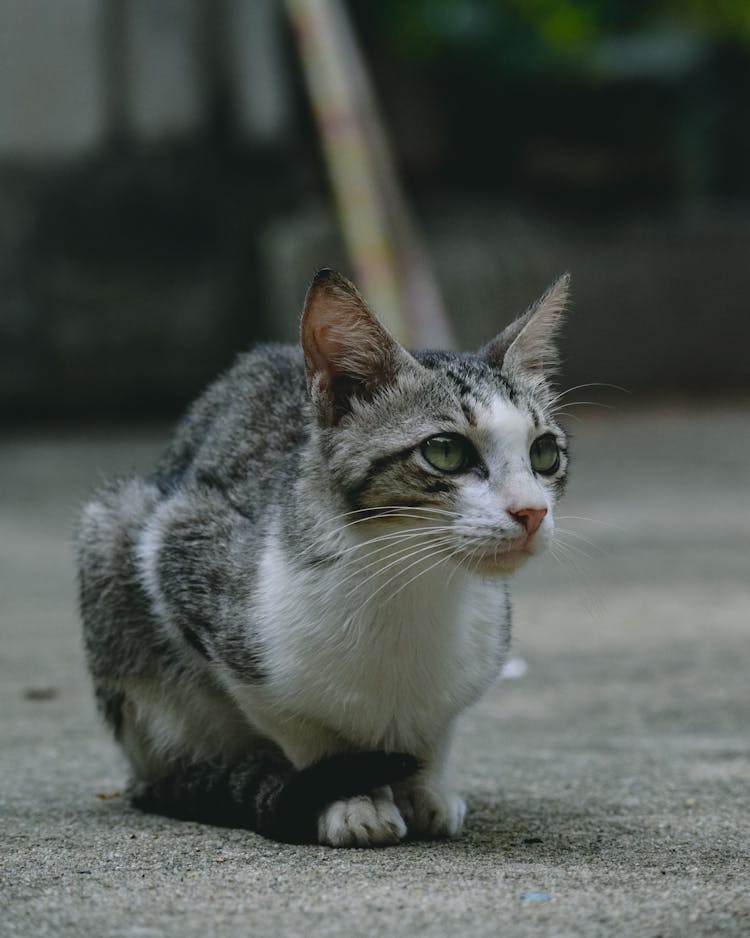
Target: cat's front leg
point(368, 820)
point(427, 803)
point(430, 809)
point(364, 821)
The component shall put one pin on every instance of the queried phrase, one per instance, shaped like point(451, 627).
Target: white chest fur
point(389, 672)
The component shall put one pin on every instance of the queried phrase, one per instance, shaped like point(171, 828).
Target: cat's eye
point(545, 455)
point(449, 452)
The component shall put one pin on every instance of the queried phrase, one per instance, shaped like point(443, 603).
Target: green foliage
point(528, 36)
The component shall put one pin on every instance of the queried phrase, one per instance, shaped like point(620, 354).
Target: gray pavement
point(607, 787)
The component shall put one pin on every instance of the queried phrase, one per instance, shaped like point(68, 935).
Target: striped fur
point(284, 621)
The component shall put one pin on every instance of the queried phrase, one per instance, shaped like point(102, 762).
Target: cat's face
point(463, 448)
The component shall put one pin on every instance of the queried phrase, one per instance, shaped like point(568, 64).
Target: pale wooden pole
point(390, 263)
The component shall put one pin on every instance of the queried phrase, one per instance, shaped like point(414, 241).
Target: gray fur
point(170, 567)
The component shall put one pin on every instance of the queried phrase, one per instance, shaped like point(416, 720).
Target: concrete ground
point(607, 787)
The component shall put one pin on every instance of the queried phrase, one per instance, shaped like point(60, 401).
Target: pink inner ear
point(534, 348)
point(347, 351)
point(345, 346)
point(315, 357)
point(340, 336)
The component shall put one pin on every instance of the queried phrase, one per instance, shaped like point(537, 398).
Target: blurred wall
point(142, 145)
point(163, 201)
point(77, 73)
point(52, 97)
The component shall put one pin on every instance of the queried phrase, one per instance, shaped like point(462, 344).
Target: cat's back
point(246, 427)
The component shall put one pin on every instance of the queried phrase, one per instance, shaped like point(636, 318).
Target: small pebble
point(40, 693)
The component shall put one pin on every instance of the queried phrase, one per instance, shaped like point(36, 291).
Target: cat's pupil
point(545, 455)
point(448, 452)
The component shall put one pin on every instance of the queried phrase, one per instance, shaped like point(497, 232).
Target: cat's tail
point(264, 792)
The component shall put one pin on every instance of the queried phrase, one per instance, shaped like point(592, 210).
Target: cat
point(285, 619)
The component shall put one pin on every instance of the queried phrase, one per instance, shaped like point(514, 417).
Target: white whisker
point(591, 596)
point(442, 549)
point(392, 539)
point(385, 514)
point(558, 410)
point(407, 554)
point(563, 413)
point(573, 547)
point(322, 539)
point(475, 557)
point(451, 553)
point(590, 384)
point(397, 556)
point(379, 508)
point(566, 532)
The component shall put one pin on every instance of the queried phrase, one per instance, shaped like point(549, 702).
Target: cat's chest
point(383, 672)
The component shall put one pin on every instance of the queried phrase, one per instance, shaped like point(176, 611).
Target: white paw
point(430, 811)
point(364, 821)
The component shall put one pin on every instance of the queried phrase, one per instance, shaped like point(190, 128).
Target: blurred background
point(165, 198)
point(172, 172)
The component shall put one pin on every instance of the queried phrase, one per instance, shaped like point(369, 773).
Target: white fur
point(391, 674)
point(429, 809)
point(147, 550)
point(363, 821)
point(161, 723)
point(357, 662)
point(505, 435)
point(386, 656)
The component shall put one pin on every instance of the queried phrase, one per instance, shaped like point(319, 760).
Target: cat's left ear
point(528, 343)
point(348, 354)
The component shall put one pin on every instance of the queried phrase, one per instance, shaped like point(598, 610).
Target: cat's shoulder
point(260, 395)
point(266, 365)
point(263, 385)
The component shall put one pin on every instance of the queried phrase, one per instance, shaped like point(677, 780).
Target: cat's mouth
point(502, 558)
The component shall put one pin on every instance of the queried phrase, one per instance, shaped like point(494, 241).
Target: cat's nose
point(530, 518)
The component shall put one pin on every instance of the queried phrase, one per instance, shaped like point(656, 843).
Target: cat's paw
point(364, 821)
point(431, 812)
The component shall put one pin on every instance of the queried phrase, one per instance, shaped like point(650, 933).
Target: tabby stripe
point(191, 637)
point(509, 389)
point(465, 396)
point(355, 492)
point(247, 664)
point(468, 413)
point(464, 388)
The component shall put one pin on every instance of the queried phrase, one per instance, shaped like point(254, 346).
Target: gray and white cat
point(284, 621)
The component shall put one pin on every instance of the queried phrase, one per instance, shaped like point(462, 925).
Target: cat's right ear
point(528, 344)
point(348, 354)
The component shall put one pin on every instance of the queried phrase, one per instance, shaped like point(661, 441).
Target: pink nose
point(530, 518)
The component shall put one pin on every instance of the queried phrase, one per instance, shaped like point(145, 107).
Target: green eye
point(449, 452)
point(545, 455)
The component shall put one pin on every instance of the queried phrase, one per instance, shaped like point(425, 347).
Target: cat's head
point(466, 445)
